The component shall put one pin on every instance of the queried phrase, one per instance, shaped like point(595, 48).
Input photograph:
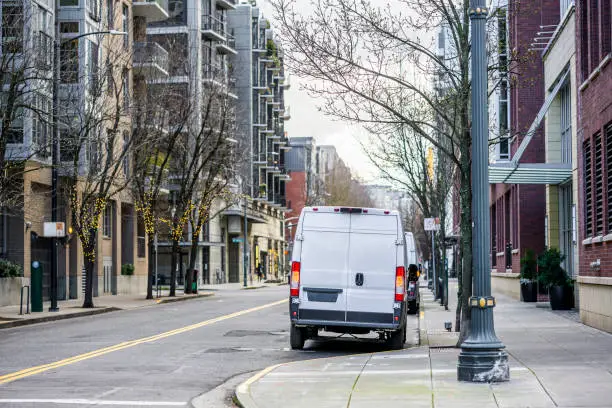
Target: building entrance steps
point(555, 361)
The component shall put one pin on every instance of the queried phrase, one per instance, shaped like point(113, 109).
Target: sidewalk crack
point(348, 404)
point(536, 377)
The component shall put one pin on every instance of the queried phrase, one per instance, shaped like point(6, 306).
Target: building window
point(598, 183)
point(588, 190)
point(41, 124)
point(69, 53)
point(12, 26)
point(125, 79)
point(608, 130)
point(69, 3)
point(107, 221)
point(110, 14)
point(110, 78)
point(68, 145)
point(126, 26)
point(93, 8)
point(502, 51)
point(126, 155)
point(141, 238)
point(15, 131)
point(565, 4)
point(94, 68)
point(566, 124)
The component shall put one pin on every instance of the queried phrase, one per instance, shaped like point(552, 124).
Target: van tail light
point(294, 289)
point(400, 285)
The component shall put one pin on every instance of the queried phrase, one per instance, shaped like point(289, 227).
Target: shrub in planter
point(127, 269)
point(529, 272)
point(9, 269)
point(554, 278)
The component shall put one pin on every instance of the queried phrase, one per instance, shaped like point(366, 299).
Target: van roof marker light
point(315, 209)
point(336, 209)
point(386, 212)
point(365, 211)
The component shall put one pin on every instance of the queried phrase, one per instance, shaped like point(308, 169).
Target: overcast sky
point(306, 120)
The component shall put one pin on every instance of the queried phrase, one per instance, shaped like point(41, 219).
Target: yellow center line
point(6, 378)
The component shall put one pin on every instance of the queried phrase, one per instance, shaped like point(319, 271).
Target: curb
point(243, 391)
point(183, 298)
point(25, 322)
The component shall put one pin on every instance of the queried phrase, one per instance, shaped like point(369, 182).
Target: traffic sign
point(432, 224)
point(237, 240)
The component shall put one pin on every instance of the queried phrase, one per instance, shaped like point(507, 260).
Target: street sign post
point(433, 225)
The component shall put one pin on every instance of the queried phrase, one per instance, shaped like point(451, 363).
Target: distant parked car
point(413, 294)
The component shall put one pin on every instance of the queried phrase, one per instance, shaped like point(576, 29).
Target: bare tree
point(25, 60)
point(354, 53)
point(96, 143)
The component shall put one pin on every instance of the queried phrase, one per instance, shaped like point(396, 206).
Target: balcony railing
point(151, 58)
point(227, 46)
point(213, 27)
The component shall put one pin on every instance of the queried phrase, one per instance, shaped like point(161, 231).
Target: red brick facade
point(594, 90)
point(518, 211)
point(295, 192)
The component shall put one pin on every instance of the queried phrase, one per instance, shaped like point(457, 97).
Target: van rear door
point(323, 276)
point(372, 260)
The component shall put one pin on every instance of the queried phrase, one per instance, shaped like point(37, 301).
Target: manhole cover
point(245, 333)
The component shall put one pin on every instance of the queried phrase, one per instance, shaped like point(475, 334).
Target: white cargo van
point(348, 274)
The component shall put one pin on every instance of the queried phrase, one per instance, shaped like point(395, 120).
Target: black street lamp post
point(482, 357)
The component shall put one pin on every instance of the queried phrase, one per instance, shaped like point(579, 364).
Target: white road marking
point(78, 401)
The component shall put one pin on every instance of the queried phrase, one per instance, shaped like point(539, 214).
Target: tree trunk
point(466, 246)
point(192, 259)
point(174, 259)
point(459, 266)
point(151, 272)
point(89, 277)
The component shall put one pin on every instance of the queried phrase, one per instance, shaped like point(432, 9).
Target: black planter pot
point(529, 291)
point(561, 297)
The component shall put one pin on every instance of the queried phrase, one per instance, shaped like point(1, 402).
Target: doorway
point(234, 262)
point(566, 227)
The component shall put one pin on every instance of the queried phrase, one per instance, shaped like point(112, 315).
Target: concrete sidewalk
point(554, 362)
point(10, 317)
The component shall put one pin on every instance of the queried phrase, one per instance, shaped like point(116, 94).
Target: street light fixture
point(55, 144)
point(482, 357)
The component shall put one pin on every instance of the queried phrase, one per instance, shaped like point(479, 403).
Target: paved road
point(163, 355)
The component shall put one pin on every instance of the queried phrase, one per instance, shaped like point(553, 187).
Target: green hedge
point(9, 269)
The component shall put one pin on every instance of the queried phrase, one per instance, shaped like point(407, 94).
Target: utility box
point(36, 283)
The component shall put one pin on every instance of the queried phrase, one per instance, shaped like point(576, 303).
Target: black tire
point(413, 307)
point(397, 339)
point(296, 337)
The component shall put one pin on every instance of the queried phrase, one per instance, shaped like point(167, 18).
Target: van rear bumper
point(323, 323)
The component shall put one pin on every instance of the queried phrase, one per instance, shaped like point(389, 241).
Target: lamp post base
point(483, 365)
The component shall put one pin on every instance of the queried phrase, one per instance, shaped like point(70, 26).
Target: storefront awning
point(250, 217)
point(530, 173)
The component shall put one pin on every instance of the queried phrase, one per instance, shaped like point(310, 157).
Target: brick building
point(518, 204)
point(594, 91)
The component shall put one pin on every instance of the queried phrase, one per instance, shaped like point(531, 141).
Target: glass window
point(126, 155)
point(107, 221)
point(68, 145)
point(69, 3)
point(69, 61)
point(94, 68)
point(126, 26)
point(12, 26)
point(566, 124)
point(110, 14)
point(125, 78)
